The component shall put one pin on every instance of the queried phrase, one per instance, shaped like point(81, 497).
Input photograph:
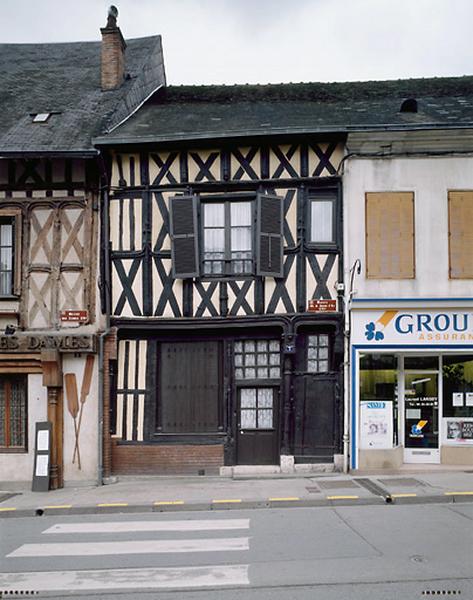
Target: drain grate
point(337, 485)
point(401, 482)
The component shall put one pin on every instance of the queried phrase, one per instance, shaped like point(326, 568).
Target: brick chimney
point(113, 53)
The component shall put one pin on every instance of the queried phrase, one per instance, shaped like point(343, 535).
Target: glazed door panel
point(257, 433)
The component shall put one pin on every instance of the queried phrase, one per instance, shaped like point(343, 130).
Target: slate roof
point(65, 78)
point(199, 112)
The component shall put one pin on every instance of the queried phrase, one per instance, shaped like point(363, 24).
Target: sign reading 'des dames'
point(22, 342)
point(412, 327)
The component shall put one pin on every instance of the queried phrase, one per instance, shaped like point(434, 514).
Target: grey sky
point(260, 41)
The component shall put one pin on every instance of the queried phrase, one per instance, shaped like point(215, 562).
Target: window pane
point(240, 213)
point(321, 221)
point(17, 414)
point(238, 373)
point(323, 340)
point(274, 359)
point(248, 419)
point(5, 283)
point(238, 347)
point(312, 366)
point(265, 419)
point(265, 398)
point(214, 241)
point(274, 346)
point(323, 352)
point(312, 352)
point(241, 239)
point(248, 398)
point(262, 346)
point(274, 373)
point(250, 374)
point(6, 234)
point(249, 346)
point(6, 259)
point(214, 215)
point(250, 360)
point(262, 373)
point(262, 359)
point(312, 340)
point(238, 360)
point(323, 366)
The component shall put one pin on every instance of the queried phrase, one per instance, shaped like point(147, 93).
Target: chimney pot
point(113, 52)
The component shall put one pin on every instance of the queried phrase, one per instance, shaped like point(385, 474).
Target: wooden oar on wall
point(73, 407)
point(84, 392)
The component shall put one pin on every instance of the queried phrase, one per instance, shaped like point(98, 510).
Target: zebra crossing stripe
point(130, 526)
point(131, 547)
point(123, 579)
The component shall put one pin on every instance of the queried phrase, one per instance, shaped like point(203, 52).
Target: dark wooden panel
point(190, 387)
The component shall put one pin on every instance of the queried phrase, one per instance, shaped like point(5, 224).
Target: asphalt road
point(380, 552)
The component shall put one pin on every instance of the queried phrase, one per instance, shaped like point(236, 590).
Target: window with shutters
point(13, 413)
point(237, 236)
point(227, 246)
point(390, 235)
point(460, 234)
point(10, 252)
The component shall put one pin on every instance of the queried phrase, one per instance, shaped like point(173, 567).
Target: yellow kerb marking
point(342, 497)
point(229, 501)
point(458, 493)
point(172, 503)
point(403, 495)
point(5, 509)
point(59, 506)
point(288, 499)
point(113, 504)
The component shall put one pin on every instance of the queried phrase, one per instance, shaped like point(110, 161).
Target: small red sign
point(77, 316)
point(322, 305)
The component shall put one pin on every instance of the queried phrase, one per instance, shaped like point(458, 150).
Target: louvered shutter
point(185, 253)
point(390, 235)
point(460, 234)
point(270, 218)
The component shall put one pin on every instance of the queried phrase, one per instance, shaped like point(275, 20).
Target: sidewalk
point(147, 494)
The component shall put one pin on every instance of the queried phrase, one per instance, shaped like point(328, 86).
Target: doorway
point(421, 412)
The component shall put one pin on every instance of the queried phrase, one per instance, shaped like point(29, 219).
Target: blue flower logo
point(372, 334)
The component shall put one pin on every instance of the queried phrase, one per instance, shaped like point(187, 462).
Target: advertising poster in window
point(458, 431)
point(376, 425)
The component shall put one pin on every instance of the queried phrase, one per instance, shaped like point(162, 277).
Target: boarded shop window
point(460, 234)
point(390, 235)
point(190, 388)
point(12, 413)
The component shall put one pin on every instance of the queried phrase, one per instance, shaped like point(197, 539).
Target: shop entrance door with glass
point(421, 413)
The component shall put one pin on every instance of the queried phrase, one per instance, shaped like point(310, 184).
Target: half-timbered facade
point(53, 328)
point(219, 253)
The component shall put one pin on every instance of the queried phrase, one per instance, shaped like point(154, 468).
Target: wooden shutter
point(390, 235)
point(185, 253)
point(460, 234)
point(270, 219)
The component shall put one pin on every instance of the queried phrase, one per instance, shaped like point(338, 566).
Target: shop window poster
point(458, 430)
point(376, 425)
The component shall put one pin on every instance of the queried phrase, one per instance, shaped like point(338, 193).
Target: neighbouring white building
point(408, 219)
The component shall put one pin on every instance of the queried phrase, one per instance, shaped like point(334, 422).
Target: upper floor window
point(460, 234)
point(322, 219)
point(6, 255)
point(237, 236)
point(10, 252)
point(228, 238)
point(390, 235)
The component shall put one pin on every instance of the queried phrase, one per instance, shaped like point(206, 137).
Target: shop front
point(411, 387)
